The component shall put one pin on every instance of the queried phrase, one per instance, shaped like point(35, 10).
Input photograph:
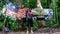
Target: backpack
point(6, 29)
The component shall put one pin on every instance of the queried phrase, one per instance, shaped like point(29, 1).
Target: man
point(29, 20)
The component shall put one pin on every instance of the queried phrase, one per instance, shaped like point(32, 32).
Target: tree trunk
point(39, 4)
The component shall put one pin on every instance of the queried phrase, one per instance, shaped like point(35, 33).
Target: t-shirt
point(29, 15)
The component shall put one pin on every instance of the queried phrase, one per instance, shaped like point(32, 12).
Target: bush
point(52, 23)
point(1, 26)
point(35, 25)
point(12, 24)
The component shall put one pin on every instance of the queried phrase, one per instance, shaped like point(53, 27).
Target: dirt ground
point(46, 30)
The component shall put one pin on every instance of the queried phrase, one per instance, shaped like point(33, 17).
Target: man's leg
point(31, 25)
point(27, 31)
point(31, 30)
point(27, 27)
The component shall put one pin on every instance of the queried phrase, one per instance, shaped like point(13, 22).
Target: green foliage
point(35, 25)
point(44, 3)
point(11, 23)
point(1, 22)
point(1, 25)
point(30, 3)
point(13, 26)
point(2, 2)
point(52, 23)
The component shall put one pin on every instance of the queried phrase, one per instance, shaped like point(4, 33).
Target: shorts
point(29, 23)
